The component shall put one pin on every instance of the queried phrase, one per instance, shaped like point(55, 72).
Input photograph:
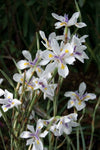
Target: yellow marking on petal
point(72, 102)
point(66, 51)
point(9, 97)
point(45, 88)
point(50, 55)
point(21, 79)
point(13, 103)
point(5, 108)
point(62, 66)
point(36, 81)
point(74, 94)
point(63, 23)
point(38, 142)
point(60, 122)
point(87, 96)
point(79, 103)
point(71, 54)
point(61, 49)
point(44, 122)
point(26, 64)
point(39, 69)
point(39, 127)
point(31, 87)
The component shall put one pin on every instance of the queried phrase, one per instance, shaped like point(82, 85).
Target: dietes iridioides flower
point(78, 98)
point(65, 21)
point(34, 137)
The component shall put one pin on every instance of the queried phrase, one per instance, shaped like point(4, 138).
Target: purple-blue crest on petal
point(66, 17)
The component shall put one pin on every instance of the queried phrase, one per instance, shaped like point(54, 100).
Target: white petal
point(48, 55)
point(18, 77)
point(30, 127)
point(82, 88)
point(29, 142)
point(44, 62)
point(55, 46)
point(70, 104)
point(25, 134)
point(79, 105)
point(50, 67)
point(59, 25)
point(42, 34)
point(16, 102)
point(63, 70)
point(38, 145)
point(73, 19)
point(8, 94)
point(80, 25)
point(3, 101)
point(68, 130)
point(90, 96)
point(43, 134)
point(27, 55)
point(5, 108)
point(22, 64)
point(70, 60)
point(69, 94)
point(61, 18)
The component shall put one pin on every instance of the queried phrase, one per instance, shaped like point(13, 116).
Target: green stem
point(60, 80)
point(93, 121)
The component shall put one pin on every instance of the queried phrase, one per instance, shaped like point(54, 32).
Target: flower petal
point(80, 25)
point(27, 55)
point(61, 18)
point(63, 70)
point(90, 96)
point(22, 64)
point(25, 134)
point(30, 127)
point(82, 88)
point(43, 134)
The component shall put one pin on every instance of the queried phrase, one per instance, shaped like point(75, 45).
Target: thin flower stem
point(93, 121)
point(60, 80)
point(83, 140)
point(77, 135)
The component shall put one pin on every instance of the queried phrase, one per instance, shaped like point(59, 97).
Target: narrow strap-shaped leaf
point(8, 79)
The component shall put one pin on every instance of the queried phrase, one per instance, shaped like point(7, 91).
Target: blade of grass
point(8, 79)
point(93, 123)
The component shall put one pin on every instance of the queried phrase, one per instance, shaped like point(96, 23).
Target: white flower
point(8, 101)
point(58, 58)
point(78, 48)
point(29, 63)
point(64, 125)
point(47, 43)
point(65, 21)
point(78, 98)
point(34, 136)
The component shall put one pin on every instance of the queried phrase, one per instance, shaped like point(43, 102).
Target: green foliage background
point(20, 21)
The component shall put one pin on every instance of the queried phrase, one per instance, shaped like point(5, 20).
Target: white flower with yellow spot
point(28, 62)
point(64, 125)
point(47, 43)
point(58, 58)
point(78, 98)
point(78, 48)
point(34, 137)
point(8, 101)
point(65, 21)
